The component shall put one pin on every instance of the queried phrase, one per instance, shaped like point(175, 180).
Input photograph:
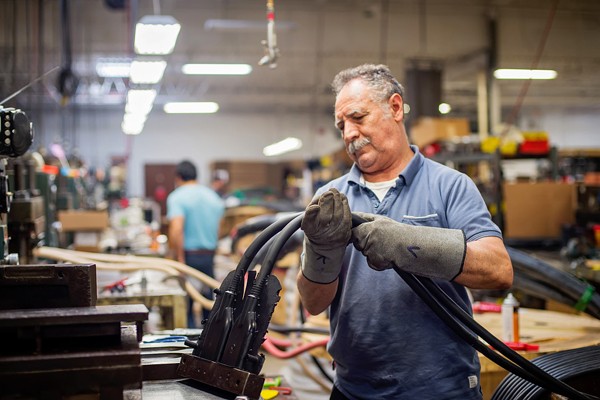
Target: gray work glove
point(420, 250)
point(327, 225)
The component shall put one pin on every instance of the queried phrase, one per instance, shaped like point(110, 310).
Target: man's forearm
point(487, 265)
point(316, 297)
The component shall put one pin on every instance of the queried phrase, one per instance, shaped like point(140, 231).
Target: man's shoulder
point(440, 172)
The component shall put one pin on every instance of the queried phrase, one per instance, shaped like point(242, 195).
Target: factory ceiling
point(465, 39)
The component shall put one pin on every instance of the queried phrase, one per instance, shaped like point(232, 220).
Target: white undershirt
point(379, 188)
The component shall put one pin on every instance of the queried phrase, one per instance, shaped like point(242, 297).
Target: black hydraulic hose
point(535, 288)
point(290, 245)
point(564, 364)
point(561, 281)
point(313, 358)
point(271, 257)
point(321, 369)
point(585, 299)
point(541, 377)
point(303, 329)
point(524, 371)
point(459, 329)
point(256, 245)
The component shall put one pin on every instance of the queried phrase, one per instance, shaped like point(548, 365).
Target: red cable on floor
point(270, 346)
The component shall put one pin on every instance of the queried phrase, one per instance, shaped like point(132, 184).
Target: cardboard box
point(428, 130)
point(538, 210)
point(83, 220)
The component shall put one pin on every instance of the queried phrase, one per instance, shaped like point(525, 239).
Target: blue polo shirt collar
point(407, 175)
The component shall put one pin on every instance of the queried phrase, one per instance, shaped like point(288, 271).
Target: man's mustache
point(358, 144)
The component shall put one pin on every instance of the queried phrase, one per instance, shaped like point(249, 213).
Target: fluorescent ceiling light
point(216, 69)
point(524, 73)
point(206, 107)
point(286, 145)
point(156, 34)
point(140, 101)
point(131, 127)
point(148, 72)
point(113, 68)
point(137, 119)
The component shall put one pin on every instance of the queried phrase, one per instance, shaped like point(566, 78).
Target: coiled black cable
point(513, 362)
point(567, 364)
point(563, 286)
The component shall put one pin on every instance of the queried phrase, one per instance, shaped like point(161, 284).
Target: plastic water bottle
point(510, 319)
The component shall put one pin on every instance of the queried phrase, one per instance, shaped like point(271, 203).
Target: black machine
point(17, 136)
point(54, 340)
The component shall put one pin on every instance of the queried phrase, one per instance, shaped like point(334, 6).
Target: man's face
point(370, 129)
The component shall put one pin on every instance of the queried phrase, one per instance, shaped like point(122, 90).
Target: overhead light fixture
point(156, 34)
point(284, 146)
point(225, 25)
point(444, 108)
point(216, 69)
point(132, 127)
point(513, 73)
point(206, 107)
point(136, 119)
point(140, 101)
point(113, 68)
point(147, 72)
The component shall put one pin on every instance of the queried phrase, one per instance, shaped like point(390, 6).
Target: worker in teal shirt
point(194, 212)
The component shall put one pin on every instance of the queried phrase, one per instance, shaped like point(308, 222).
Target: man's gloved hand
point(327, 225)
point(420, 250)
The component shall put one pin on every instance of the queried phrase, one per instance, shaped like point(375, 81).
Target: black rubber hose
point(565, 365)
point(459, 329)
point(561, 281)
point(256, 245)
point(304, 329)
point(313, 358)
point(454, 317)
point(539, 289)
point(271, 257)
point(290, 245)
point(543, 378)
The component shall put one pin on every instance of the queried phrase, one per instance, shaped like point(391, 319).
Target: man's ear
point(397, 107)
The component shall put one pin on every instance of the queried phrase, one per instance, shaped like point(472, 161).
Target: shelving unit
point(485, 170)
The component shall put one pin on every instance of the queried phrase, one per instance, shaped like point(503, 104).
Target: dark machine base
point(221, 376)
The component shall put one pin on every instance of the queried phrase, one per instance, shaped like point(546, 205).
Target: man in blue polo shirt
point(385, 342)
point(194, 213)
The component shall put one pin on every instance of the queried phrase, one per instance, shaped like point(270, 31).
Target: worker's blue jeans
point(204, 264)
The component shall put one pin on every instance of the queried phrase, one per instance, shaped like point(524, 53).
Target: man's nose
point(350, 132)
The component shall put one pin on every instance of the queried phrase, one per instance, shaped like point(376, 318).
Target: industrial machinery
point(54, 341)
point(17, 132)
point(226, 354)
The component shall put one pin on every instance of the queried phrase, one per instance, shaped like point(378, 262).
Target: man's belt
point(204, 252)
